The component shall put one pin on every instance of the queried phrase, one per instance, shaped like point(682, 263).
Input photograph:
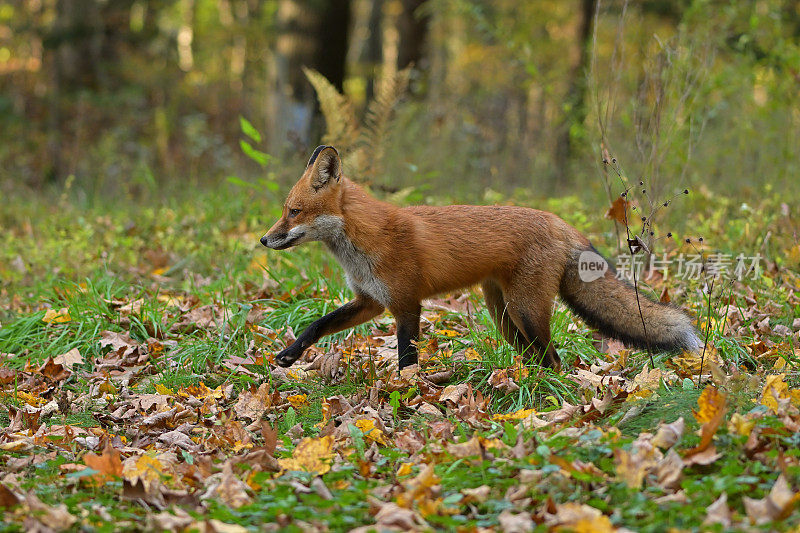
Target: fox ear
point(326, 165)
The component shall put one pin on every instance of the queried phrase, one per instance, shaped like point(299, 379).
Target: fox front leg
point(349, 315)
point(407, 335)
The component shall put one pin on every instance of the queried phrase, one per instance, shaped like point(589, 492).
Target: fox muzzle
point(282, 240)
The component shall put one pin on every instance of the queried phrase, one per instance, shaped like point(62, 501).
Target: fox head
point(312, 211)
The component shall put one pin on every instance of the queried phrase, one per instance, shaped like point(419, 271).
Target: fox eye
point(293, 213)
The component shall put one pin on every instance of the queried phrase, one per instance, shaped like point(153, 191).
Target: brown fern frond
point(341, 124)
point(378, 119)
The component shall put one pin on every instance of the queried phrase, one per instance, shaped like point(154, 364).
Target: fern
point(361, 144)
point(340, 119)
point(378, 118)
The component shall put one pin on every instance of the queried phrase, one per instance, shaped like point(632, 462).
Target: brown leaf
point(470, 448)
point(719, 512)
point(511, 522)
point(705, 457)
point(55, 517)
point(69, 359)
point(228, 488)
point(108, 464)
point(252, 404)
point(777, 505)
point(478, 494)
point(178, 439)
point(159, 419)
point(618, 211)
point(7, 376)
point(502, 381)
point(392, 516)
point(579, 517)
point(410, 441)
point(664, 298)
point(669, 434)
point(7, 498)
point(633, 466)
point(670, 470)
point(453, 393)
point(54, 371)
point(270, 436)
point(119, 342)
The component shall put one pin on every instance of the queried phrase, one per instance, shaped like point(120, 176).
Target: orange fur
point(396, 257)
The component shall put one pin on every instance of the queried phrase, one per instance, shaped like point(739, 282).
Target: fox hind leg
point(496, 304)
point(535, 325)
point(525, 320)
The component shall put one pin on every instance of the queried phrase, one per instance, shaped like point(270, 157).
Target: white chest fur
point(357, 265)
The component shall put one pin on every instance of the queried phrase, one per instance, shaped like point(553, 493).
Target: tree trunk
point(307, 36)
point(412, 25)
point(373, 48)
point(575, 100)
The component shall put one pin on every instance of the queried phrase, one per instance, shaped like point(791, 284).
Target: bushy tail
point(609, 304)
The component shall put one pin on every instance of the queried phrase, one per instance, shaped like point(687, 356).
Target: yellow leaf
point(447, 332)
point(601, 524)
point(775, 389)
point(311, 455)
point(298, 400)
point(471, 354)
point(741, 425)
point(201, 392)
point(516, 415)
point(107, 387)
point(710, 402)
point(147, 469)
point(405, 469)
point(161, 389)
point(57, 317)
point(794, 395)
point(780, 363)
point(25, 397)
point(367, 426)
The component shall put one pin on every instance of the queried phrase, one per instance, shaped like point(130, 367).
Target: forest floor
point(137, 388)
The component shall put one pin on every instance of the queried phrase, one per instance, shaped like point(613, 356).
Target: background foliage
point(127, 96)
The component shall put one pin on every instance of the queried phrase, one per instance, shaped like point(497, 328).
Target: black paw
point(288, 356)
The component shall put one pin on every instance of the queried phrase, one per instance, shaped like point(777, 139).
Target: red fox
point(396, 257)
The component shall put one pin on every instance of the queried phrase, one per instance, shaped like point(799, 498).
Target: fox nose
point(264, 240)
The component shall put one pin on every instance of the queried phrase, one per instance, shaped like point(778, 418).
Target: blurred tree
point(575, 99)
point(311, 33)
point(412, 26)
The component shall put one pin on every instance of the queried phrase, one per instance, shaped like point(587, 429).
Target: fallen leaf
point(777, 505)
point(713, 406)
point(55, 517)
point(669, 434)
point(311, 455)
point(719, 512)
point(502, 381)
point(148, 470)
point(511, 522)
point(53, 316)
point(252, 404)
point(69, 359)
point(228, 488)
point(367, 426)
point(108, 464)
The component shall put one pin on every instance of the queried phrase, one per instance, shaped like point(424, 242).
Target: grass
point(185, 254)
